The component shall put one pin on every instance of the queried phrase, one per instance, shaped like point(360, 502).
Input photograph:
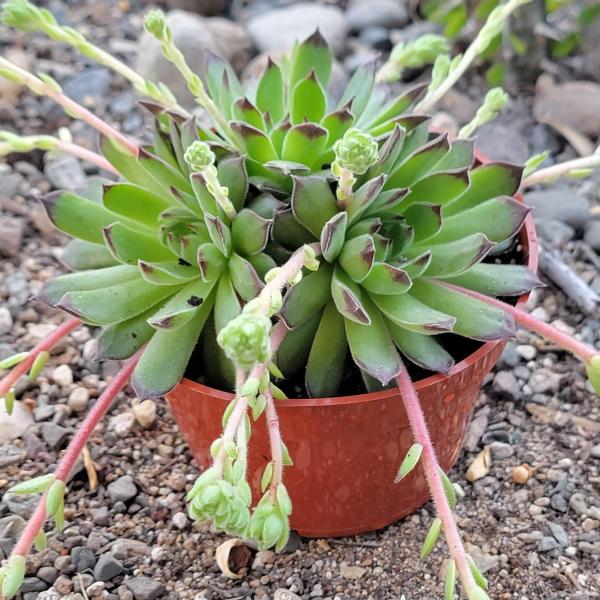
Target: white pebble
point(78, 399)
point(122, 424)
point(6, 320)
point(180, 520)
point(63, 375)
point(145, 413)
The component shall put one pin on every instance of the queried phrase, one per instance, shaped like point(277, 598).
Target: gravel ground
point(130, 537)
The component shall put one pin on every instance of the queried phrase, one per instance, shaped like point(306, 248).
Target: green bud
point(440, 70)
point(494, 102)
point(55, 497)
point(272, 274)
point(258, 406)
point(13, 576)
point(310, 258)
point(9, 401)
point(209, 476)
point(13, 360)
point(534, 162)
point(431, 537)
point(421, 51)
point(38, 364)
point(156, 24)
point(266, 476)
point(22, 15)
point(199, 156)
point(356, 151)
point(246, 340)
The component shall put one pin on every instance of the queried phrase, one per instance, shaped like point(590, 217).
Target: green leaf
point(221, 81)
point(181, 306)
point(399, 104)
point(116, 303)
point(305, 143)
point(266, 477)
point(313, 54)
point(55, 497)
point(79, 217)
point(233, 175)
point(431, 538)
point(166, 356)
point(497, 280)
point(410, 461)
point(246, 112)
point(250, 232)
point(283, 500)
point(293, 351)
point(219, 233)
point(313, 203)
point(122, 340)
point(474, 318)
point(337, 123)
point(14, 359)
point(227, 304)
point(372, 347)
point(210, 261)
point(307, 297)
point(288, 232)
point(128, 245)
point(256, 143)
point(14, 573)
point(325, 365)
point(333, 236)
point(40, 541)
point(499, 219)
point(439, 187)
point(163, 172)
point(423, 350)
point(79, 255)
point(419, 164)
point(387, 280)
point(448, 488)
point(359, 89)
point(37, 485)
point(480, 580)
point(410, 313)
point(167, 273)
point(358, 256)
point(270, 92)
point(389, 152)
point(244, 277)
point(454, 258)
point(425, 219)
point(307, 100)
point(96, 279)
point(460, 156)
point(364, 197)
point(487, 181)
point(450, 581)
point(348, 298)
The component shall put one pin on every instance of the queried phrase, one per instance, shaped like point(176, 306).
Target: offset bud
point(21, 15)
point(199, 156)
point(246, 340)
point(356, 151)
point(156, 24)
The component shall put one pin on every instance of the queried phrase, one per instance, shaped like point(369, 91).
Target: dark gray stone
point(83, 558)
point(122, 489)
point(107, 568)
point(559, 204)
point(33, 584)
point(547, 544)
point(54, 435)
point(506, 385)
point(144, 588)
point(559, 534)
point(47, 574)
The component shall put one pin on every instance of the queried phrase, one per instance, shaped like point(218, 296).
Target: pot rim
point(529, 241)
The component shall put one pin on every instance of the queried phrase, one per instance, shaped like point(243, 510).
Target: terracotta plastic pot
point(347, 450)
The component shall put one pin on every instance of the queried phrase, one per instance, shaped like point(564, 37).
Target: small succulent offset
point(296, 235)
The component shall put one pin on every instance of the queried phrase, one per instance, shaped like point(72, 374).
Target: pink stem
point(72, 453)
point(46, 344)
point(584, 351)
point(86, 155)
point(275, 443)
point(431, 466)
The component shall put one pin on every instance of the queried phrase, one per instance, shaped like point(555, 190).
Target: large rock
point(144, 588)
point(278, 29)
point(574, 104)
point(376, 13)
point(15, 425)
point(560, 204)
point(192, 35)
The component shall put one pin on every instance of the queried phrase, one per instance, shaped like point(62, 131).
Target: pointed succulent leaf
point(221, 81)
point(262, 263)
point(337, 123)
point(364, 197)
point(387, 201)
point(288, 231)
point(454, 258)
point(116, 303)
point(227, 304)
point(96, 279)
point(79, 217)
point(181, 307)
point(423, 350)
point(210, 261)
point(497, 280)
point(313, 203)
point(499, 219)
point(305, 143)
point(244, 277)
point(313, 54)
point(294, 349)
point(386, 279)
point(307, 297)
point(325, 365)
point(417, 136)
point(389, 152)
point(163, 172)
point(359, 89)
point(415, 267)
point(257, 144)
point(357, 256)
point(348, 298)
point(333, 236)
point(167, 273)
point(487, 181)
point(79, 255)
point(399, 105)
point(266, 205)
point(128, 245)
point(425, 219)
point(270, 96)
point(409, 462)
point(135, 203)
point(287, 167)
point(419, 164)
point(219, 233)
point(307, 100)
point(460, 156)
point(122, 340)
point(407, 122)
point(166, 356)
point(372, 347)
point(410, 313)
point(474, 318)
point(233, 175)
point(250, 232)
point(246, 112)
point(366, 226)
point(441, 188)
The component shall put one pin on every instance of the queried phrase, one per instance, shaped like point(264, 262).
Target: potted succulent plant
point(294, 248)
